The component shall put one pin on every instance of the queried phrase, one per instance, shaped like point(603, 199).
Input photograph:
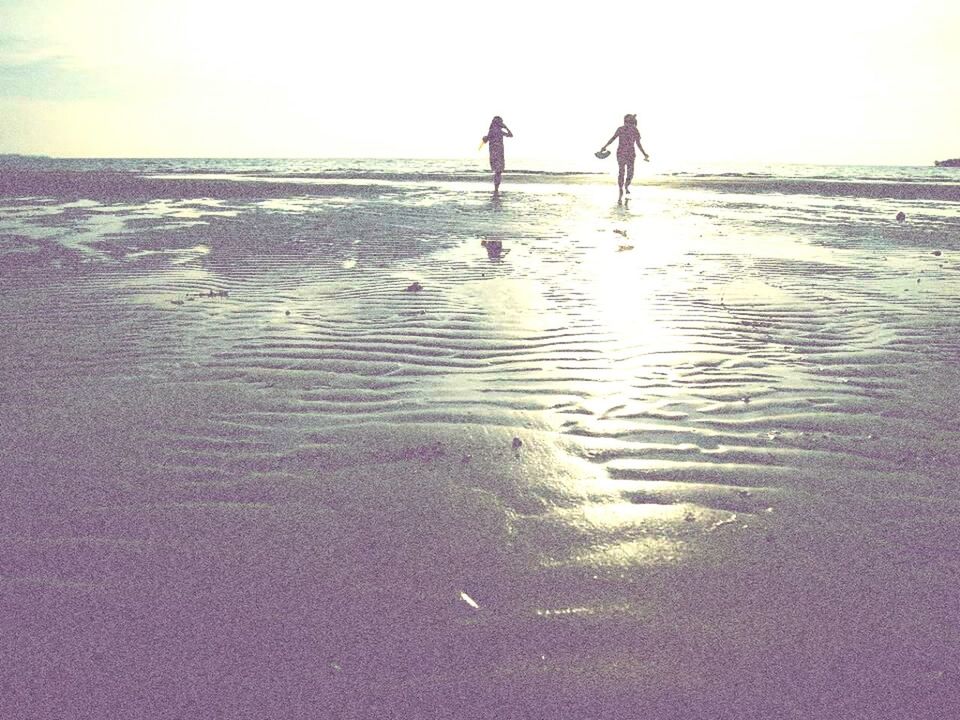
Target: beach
point(293, 440)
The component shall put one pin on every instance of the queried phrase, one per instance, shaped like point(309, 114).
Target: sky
point(819, 81)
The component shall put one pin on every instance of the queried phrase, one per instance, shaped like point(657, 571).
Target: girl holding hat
point(626, 154)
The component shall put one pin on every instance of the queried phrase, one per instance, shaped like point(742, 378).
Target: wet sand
point(695, 457)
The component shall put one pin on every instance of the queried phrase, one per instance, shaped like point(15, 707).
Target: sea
point(452, 169)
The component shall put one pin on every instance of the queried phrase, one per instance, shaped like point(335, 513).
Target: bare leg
point(496, 181)
point(629, 176)
point(620, 179)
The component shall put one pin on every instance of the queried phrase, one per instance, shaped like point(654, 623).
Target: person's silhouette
point(626, 155)
point(494, 139)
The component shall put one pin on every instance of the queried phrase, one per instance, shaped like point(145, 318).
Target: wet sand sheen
point(248, 473)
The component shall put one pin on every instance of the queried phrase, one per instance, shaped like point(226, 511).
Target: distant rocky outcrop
point(952, 162)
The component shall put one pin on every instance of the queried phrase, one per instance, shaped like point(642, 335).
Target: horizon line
point(43, 156)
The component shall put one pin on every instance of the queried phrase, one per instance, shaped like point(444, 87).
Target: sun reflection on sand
point(637, 552)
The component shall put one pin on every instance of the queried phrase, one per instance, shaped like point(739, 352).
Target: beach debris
point(469, 600)
point(517, 443)
point(287, 312)
point(618, 231)
point(721, 523)
point(901, 217)
point(744, 493)
point(746, 399)
point(211, 294)
point(937, 253)
point(621, 248)
point(414, 287)
point(177, 302)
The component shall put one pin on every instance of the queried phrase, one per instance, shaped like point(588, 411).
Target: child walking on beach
point(626, 155)
point(494, 138)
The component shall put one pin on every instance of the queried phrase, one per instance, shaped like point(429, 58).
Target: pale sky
point(819, 81)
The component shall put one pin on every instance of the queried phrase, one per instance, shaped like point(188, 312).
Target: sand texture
point(308, 448)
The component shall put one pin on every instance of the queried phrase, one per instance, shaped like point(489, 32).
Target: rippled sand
point(695, 457)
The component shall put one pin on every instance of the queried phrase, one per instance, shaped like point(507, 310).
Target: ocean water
point(291, 438)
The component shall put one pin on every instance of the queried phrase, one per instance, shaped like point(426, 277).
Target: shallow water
point(694, 456)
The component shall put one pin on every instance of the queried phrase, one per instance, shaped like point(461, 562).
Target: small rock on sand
point(414, 287)
point(901, 217)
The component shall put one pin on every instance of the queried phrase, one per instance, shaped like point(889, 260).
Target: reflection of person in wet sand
point(495, 249)
point(626, 155)
point(494, 138)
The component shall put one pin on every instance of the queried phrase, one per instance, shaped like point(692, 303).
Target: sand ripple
point(321, 417)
